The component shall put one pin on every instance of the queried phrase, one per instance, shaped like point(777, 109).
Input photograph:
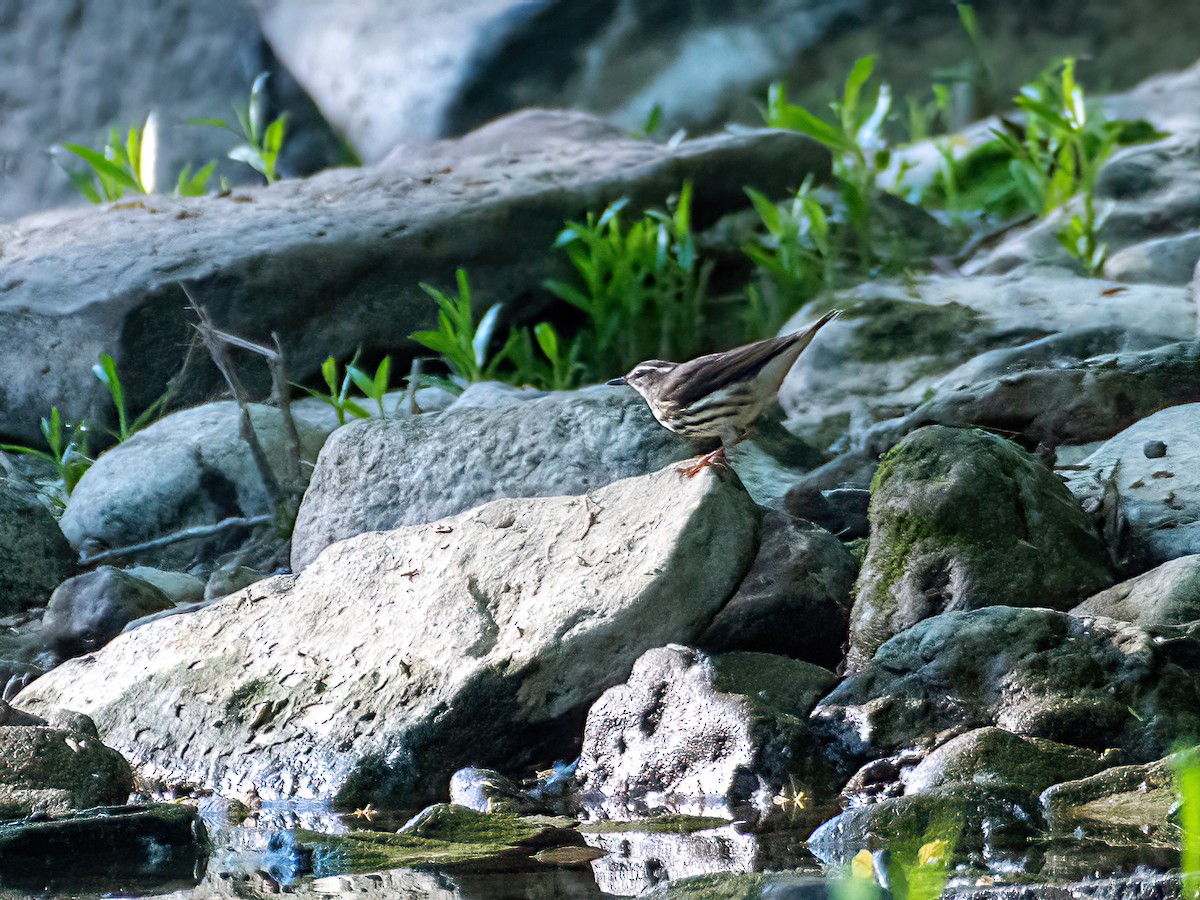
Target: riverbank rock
point(1069, 403)
point(794, 601)
point(384, 473)
point(57, 770)
point(993, 756)
point(962, 519)
point(700, 735)
point(191, 468)
point(992, 820)
point(1125, 804)
point(1159, 492)
point(269, 260)
point(87, 611)
point(160, 844)
point(896, 340)
point(397, 657)
point(1166, 595)
point(1091, 683)
point(35, 556)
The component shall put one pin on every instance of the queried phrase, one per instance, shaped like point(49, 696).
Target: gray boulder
point(191, 468)
point(114, 63)
point(383, 473)
point(978, 822)
point(794, 601)
point(1070, 402)
point(898, 339)
point(1168, 594)
point(700, 735)
point(35, 557)
point(274, 256)
point(398, 657)
point(993, 756)
point(87, 611)
point(1159, 496)
point(1092, 683)
point(44, 769)
point(962, 519)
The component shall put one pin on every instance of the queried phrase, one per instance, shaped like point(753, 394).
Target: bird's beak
point(617, 382)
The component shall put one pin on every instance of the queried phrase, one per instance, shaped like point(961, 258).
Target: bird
point(719, 395)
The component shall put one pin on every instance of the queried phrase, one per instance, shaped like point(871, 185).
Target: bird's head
point(646, 377)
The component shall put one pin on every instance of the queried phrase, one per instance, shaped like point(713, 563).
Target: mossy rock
point(444, 835)
point(962, 519)
point(899, 329)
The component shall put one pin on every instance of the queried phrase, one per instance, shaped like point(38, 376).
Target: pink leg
point(715, 458)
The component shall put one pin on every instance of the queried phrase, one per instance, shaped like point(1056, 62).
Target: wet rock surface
point(1168, 594)
point(703, 735)
point(962, 519)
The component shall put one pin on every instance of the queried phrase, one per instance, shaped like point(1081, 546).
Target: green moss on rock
point(888, 328)
point(671, 824)
point(962, 519)
point(447, 834)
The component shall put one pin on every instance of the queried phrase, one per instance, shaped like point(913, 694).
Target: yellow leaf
point(863, 865)
point(933, 853)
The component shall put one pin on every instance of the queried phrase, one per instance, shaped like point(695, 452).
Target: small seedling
point(67, 452)
point(106, 372)
point(123, 165)
point(261, 141)
point(374, 387)
point(641, 285)
point(338, 394)
point(460, 340)
point(795, 258)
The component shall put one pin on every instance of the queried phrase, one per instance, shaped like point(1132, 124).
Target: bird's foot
point(715, 458)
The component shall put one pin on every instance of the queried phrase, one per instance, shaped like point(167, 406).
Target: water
point(260, 858)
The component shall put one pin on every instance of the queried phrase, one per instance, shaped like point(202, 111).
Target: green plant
point(194, 184)
point(128, 164)
point(641, 285)
point(856, 139)
point(67, 452)
point(460, 340)
point(123, 164)
point(261, 141)
point(556, 368)
point(795, 258)
point(106, 372)
point(1186, 764)
point(373, 386)
point(338, 394)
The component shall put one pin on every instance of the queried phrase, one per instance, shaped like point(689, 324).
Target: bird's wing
point(696, 378)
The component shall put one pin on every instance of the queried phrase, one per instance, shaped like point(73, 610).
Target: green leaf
point(858, 76)
point(103, 166)
point(212, 123)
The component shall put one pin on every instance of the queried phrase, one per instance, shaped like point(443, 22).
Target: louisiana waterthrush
point(719, 395)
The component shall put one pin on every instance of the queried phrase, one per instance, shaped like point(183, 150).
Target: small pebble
point(1154, 449)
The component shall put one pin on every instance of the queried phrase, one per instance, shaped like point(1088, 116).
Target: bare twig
point(285, 501)
point(283, 398)
point(410, 396)
point(186, 534)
